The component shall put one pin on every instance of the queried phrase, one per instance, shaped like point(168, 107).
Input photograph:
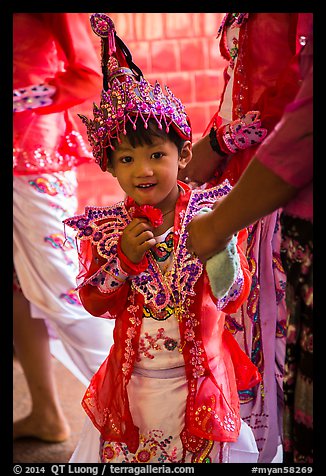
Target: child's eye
point(126, 160)
point(157, 155)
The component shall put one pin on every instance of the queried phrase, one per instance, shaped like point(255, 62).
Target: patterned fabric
point(263, 315)
point(48, 141)
point(159, 348)
point(40, 203)
point(191, 337)
point(46, 149)
point(162, 392)
point(297, 256)
point(127, 96)
point(259, 326)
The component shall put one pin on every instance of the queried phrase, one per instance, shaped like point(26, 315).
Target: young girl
point(167, 392)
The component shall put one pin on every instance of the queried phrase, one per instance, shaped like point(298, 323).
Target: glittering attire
point(262, 75)
point(167, 393)
point(54, 49)
point(288, 152)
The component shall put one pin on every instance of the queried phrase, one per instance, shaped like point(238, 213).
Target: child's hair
point(141, 136)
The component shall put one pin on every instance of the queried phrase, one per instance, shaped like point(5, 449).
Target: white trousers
point(46, 264)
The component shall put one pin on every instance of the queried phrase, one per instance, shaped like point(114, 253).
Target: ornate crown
point(127, 96)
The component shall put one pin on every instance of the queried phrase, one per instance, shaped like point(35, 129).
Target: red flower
point(154, 215)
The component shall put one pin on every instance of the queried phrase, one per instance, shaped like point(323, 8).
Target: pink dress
point(162, 360)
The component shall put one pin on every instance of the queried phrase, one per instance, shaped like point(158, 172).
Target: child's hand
point(136, 239)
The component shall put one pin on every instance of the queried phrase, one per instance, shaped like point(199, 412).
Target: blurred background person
point(51, 74)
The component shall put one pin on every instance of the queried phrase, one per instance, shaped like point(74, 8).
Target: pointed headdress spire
point(126, 95)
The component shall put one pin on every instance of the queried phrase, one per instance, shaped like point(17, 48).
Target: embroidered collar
point(103, 226)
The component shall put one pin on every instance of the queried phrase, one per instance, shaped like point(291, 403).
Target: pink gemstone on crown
point(101, 132)
point(102, 26)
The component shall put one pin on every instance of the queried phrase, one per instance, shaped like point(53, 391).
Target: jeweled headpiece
point(127, 96)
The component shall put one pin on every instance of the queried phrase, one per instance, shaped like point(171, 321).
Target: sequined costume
point(262, 75)
point(167, 392)
point(50, 48)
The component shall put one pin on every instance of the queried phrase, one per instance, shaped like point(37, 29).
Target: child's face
point(148, 173)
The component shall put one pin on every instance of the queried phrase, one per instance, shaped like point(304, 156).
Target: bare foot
point(51, 432)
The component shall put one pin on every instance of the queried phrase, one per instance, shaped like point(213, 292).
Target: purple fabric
point(262, 320)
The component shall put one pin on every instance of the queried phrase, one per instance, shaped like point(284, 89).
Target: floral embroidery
point(152, 445)
point(131, 333)
point(71, 297)
point(197, 359)
point(59, 241)
point(189, 335)
point(170, 344)
point(234, 52)
point(143, 456)
point(52, 187)
point(62, 212)
point(129, 351)
point(151, 343)
point(107, 452)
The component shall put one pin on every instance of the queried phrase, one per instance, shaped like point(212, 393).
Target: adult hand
point(203, 164)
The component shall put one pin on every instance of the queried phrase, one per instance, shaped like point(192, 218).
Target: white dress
point(157, 394)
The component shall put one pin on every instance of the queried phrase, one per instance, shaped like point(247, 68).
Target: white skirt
point(46, 263)
point(244, 450)
point(157, 405)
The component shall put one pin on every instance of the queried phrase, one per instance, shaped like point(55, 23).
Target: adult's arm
point(258, 193)
point(281, 168)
